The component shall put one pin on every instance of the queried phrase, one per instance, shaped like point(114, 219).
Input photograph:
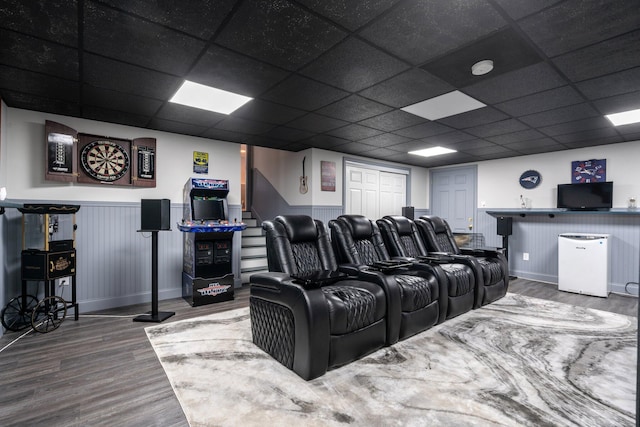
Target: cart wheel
point(48, 314)
point(14, 317)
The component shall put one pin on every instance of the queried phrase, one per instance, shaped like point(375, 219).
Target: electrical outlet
point(525, 256)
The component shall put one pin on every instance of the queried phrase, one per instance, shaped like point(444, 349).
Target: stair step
point(254, 241)
point(252, 231)
point(253, 251)
point(258, 262)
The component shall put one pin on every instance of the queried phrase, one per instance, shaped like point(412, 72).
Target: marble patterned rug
point(520, 361)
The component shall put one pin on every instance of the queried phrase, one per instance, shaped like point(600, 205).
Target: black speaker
point(505, 227)
point(408, 212)
point(155, 214)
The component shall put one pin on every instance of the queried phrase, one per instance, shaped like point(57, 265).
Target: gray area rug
point(520, 361)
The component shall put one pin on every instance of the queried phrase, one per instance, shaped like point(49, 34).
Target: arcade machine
point(207, 275)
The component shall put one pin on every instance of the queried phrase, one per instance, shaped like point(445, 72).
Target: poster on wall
point(200, 162)
point(584, 171)
point(328, 172)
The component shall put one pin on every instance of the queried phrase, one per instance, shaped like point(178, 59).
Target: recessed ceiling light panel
point(208, 98)
point(446, 105)
point(624, 118)
point(433, 151)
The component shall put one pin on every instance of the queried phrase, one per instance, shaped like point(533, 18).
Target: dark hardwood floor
point(101, 370)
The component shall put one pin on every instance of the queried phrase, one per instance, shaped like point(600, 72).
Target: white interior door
point(453, 196)
point(374, 193)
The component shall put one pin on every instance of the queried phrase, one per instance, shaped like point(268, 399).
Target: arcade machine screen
point(208, 209)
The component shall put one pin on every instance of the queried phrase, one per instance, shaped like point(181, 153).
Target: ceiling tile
point(607, 57)
point(316, 123)
point(137, 41)
point(392, 121)
point(121, 77)
point(297, 146)
point(505, 48)
point(582, 137)
point(195, 116)
point(541, 101)
point(114, 116)
point(237, 124)
point(354, 132)
point(199, 18)
point(423, 130)
point(473, 118)
point(351, 14)
point(39, 85)
point(560, 115)
point(288, 134)
point(384, 140)
point(326, 141)
point(30, 53)
point(268, 112)
point(50, 20)
point(630, 129)
point(279, 32)
point(407, 88)
point(381, 153)
point(354, 108)
point(354, 65)
point(420, 30)
point(618, 103)
point(448, 138)
point(236, 73)
point(597, 140)
point(354, 148)
point(489, 150)
point(528, 145)
point(613, 84)
point(509, 138)
point(576, 126)
point(176, 127)
point(497, 128)
point(537, 149)
point(124, 102)
point(471, 145)
point(520, 8)
point(576, 20)
point(225, 135)
point(301, 92)
point(515, 84)
point(414, 145)
point(38, 103)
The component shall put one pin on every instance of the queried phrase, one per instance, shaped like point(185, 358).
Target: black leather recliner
point(493, 263)
point(403, 240)
point(312, 324)
point(412, 295)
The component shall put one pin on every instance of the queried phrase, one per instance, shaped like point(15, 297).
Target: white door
point(453, 196)
point(393, 193)
point(374, 193)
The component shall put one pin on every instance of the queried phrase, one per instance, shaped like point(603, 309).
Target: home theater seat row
point(326, 302)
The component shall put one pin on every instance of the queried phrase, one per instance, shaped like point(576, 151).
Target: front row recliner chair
point(413, 295)
point(495, 268)
point(464, 277)
point(304, 314)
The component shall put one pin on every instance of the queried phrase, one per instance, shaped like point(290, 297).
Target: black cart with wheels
point(49, 257)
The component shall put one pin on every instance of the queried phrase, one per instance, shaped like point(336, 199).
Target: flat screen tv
point(593, 196)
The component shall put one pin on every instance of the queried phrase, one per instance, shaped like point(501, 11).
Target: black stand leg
point(505, 245)
point(154, 315)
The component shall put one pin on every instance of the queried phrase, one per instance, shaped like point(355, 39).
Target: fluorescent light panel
point(433, 151)
point(624, 118)
point(446, 105)
point(208, 98)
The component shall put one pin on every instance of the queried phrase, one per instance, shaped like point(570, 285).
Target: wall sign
point(200, 162)
point(530, 179)
point(328, 179)
point(583, 171)
point(93, 159)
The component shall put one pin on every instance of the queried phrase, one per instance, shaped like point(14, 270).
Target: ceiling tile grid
point(333, 74)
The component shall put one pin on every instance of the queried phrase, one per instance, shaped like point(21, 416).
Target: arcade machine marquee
point(207, 275)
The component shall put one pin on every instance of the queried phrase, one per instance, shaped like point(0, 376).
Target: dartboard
point(105, 160)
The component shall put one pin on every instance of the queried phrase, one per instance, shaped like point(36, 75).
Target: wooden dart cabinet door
point(61, 152)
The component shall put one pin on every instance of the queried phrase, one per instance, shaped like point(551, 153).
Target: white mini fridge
point(583, 263)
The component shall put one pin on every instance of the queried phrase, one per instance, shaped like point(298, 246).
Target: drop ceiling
point(336, 74)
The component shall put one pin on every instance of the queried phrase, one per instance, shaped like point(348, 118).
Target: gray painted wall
point(537, 234)
point(113, 259)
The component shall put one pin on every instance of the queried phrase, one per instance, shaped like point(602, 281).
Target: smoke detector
point(481, 68)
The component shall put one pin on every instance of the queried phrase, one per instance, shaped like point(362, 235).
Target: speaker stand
point(505, 245)
point(154, 315)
